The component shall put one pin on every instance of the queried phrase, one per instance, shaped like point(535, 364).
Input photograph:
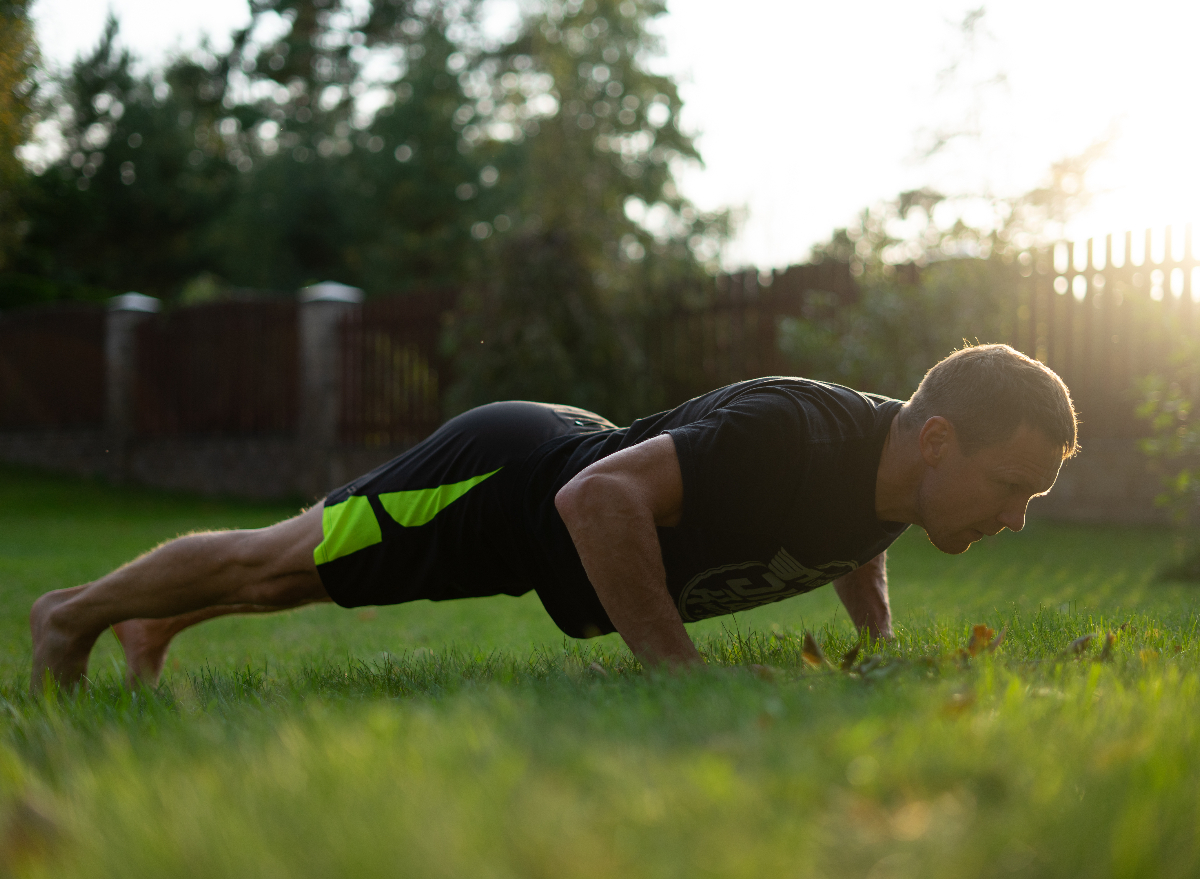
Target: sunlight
point(1149, 180)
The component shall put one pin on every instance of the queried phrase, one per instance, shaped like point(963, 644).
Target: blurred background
point(613, 204)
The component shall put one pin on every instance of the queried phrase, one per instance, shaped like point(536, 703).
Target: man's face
point(962, 498)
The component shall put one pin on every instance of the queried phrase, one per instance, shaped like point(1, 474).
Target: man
point(747, 495)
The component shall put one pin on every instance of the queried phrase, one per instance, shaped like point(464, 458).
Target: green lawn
point(472, 739)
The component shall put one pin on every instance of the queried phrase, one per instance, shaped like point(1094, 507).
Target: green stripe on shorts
point(417, 507)
point(351, 525)
point(347, 527)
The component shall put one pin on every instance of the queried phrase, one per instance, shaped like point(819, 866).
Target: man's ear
point(936, 438)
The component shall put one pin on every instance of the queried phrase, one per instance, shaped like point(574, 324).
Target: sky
point(807, 112)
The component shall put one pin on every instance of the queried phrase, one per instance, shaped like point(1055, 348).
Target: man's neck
point(898, 477)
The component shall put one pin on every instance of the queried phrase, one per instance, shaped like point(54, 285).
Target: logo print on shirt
point(732, 588)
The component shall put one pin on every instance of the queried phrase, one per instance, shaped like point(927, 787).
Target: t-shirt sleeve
point(741, 465)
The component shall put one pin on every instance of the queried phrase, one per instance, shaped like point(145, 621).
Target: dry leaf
point(598, 669)
point(812, 652)
point(851, 655)
point(1080, 644)
point(1106, 652)
point(981, 636)
point(1147, 655)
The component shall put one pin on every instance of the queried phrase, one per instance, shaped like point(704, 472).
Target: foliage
point(18, 59)
point(1168, 405)
point(211, 166)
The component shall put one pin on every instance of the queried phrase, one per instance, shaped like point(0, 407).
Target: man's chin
point(951, 544)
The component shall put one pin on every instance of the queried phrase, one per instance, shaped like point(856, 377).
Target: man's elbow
point(566, 500)
point(595, 495)
point(575, 498)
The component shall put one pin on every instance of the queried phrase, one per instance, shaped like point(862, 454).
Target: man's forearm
point(864, 593)
point(615, 535)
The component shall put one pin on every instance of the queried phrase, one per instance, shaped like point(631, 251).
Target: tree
point(18, 60)
point(142, 180)
point(372, 195)
point(584, 138)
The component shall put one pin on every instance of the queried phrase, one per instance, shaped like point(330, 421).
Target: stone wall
point(258, 467)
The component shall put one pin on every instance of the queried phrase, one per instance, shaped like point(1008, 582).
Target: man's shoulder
point(815, 402)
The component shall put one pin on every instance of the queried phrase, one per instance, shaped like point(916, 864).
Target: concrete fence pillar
point(125, 312)
point(322, 308)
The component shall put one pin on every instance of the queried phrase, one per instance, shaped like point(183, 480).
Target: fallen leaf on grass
point(1147, 655)
point(812, 653)
point(1106, 652)
point(980, 636)
point(851, 655)
point(598, 669)
point(984, 638)
point(1080, 644)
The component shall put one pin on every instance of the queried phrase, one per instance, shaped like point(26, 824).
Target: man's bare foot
point(57, 651)
point(145, 643)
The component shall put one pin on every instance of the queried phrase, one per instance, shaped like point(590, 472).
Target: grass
point(470, 738)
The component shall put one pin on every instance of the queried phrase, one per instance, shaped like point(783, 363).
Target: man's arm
point(611, 510)
point(864, 593)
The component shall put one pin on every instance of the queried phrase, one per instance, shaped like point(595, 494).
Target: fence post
point(322, 308)
point(125, 312)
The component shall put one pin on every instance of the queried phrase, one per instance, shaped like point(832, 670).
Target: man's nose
point(1014, 518)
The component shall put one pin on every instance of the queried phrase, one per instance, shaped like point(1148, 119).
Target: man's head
point(987, 392)
point(992, 427)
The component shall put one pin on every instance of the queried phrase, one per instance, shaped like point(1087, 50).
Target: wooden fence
point(393, 371)
point(52, 368)
point(222, 368)
point(725, 330)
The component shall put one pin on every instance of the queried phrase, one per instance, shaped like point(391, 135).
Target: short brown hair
point(988, 391)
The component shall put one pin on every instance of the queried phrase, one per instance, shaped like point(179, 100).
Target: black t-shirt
point(778, 498)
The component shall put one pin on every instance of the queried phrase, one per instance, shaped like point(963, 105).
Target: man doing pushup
point(747, 495)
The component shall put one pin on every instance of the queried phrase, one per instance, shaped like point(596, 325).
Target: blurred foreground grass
point(470, 738)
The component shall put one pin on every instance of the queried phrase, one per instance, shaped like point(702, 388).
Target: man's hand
point(611, 510)
point(864, 593)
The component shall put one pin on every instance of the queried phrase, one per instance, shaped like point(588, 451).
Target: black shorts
point(439, 521)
